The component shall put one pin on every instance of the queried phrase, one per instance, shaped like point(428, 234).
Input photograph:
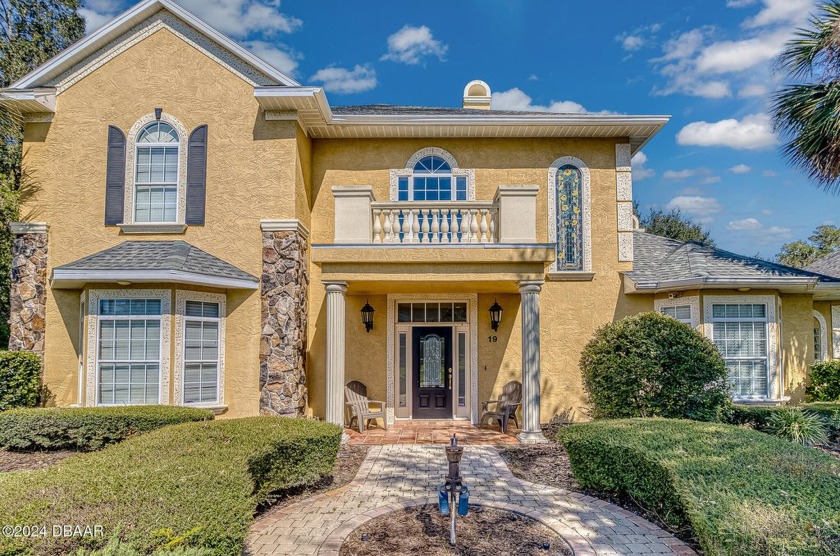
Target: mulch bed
point(27, 461)
point(548, 464)
point(422, 530)
point(349, 460)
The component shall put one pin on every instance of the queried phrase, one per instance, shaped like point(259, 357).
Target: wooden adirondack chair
point(358, 405)
point(505, 406)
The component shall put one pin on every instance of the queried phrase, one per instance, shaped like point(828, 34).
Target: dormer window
point(156, 175)
point(432, 174)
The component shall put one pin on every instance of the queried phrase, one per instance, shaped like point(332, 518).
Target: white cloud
point(769, 174)
point(745, 224)
point(740, 169)
point(271, 53)
point(734, 56)
point(701, 208)
point(680, 175)
point(346, 81)
point(95, 19)
point(640, 171)
point(758, 232)
point(517, 99)
point(710, 180)
point(533, 77)
point(410, 45)
point(767, 212)
point(753, 90)
point(752, 132)
point(632, 42)
point(781, 11)
point(239, 18)
point(740, 3)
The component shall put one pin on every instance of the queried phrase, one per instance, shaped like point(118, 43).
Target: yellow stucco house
point(207, 231)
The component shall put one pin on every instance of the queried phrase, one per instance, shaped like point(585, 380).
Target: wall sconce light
point(495, 315)
point(158, 113)
point(367, 317)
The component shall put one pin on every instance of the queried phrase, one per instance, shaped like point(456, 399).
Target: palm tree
point(807, 114)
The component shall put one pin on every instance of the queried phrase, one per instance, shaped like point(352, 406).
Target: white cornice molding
point(20, 228)
point(284, 225)
point(152, 228)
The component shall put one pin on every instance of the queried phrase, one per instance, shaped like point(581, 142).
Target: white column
point(335, 351)
point(530, 308)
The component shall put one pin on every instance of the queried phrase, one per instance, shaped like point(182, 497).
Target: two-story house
point(207, 231)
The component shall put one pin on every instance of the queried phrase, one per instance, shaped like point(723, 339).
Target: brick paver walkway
point(396, 476)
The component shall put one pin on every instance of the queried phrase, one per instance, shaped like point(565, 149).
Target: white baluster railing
point(434, 222)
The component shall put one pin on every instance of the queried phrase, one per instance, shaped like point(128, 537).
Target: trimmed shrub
point(87, 428)
point(742, 492)
point(653, 365)
point(20, 379)
point(796, 425)
point(824, 382)
point(192, 485)
point(755, 416)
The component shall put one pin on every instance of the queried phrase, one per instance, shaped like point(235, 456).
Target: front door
point(432, 349)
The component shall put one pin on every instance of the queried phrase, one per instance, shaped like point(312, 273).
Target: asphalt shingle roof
point(177, 256)
point(659, 259)
point(828, 265)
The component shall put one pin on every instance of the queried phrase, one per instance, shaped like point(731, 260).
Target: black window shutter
point(115, 177)
point(196, 176)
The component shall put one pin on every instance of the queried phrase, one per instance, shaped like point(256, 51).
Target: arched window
point(569, 203)
point(432, 179)
point(156, 174)
point(820, 338)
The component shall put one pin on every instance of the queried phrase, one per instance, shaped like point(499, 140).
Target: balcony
point(393, 246)
point(509, 219)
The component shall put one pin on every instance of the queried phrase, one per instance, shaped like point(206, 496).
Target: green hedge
point(824, 382)
point(189, 485)
point(742, 492)
point(87, 428)
point(20, 379)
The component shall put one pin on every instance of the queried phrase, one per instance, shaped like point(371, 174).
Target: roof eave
point(30, 101)
point(76, 279)
point(662, 286)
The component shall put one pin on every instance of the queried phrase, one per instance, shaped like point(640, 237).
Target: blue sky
point(708, 63)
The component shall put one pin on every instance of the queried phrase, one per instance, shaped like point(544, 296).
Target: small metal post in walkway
point(453, 490)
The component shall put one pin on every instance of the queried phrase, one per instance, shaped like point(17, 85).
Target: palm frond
point(815, 48)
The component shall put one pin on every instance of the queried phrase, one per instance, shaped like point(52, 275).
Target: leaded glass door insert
point(432, 356)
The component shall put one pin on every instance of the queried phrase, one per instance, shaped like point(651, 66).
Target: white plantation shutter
point(201, 352)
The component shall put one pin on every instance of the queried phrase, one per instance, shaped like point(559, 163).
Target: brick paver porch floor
point(400, 475)
point(432, 432)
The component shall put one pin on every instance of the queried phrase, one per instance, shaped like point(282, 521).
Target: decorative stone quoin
point(28, 297)
point(285, 283)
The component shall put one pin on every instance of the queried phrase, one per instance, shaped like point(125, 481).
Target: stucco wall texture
point(258, 169)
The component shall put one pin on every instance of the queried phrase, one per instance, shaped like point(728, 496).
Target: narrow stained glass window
point(569, 195)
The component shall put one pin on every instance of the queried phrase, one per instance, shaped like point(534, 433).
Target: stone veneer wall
point(28, 297)
point(285, 284)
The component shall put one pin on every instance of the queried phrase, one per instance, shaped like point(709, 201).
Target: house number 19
point(492, 339)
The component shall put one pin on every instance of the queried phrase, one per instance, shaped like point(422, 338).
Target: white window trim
point(823, 355)
point(773, 359)
point(693, 301)
point(585, 217)
point(408, 172)
point(835, 331)
point(128, 224)
point(181, 298)
point(94, 296)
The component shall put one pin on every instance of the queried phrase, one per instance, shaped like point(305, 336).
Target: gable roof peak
point(135, 15)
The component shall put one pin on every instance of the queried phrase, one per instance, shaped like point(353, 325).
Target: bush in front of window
point(798, 426)
point(738, 491)
point(824, 382)
point(194, 485)
point(87, 429)
point(651, 365)
point(20, 379)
